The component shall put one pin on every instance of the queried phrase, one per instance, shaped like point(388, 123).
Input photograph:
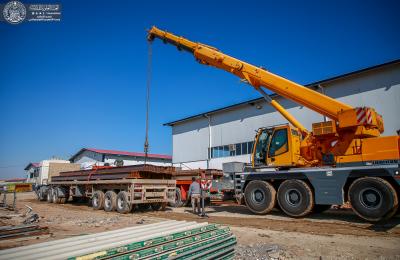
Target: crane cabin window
point(261, 147)
point(279, 143)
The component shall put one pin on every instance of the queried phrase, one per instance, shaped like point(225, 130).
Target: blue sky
point(81, 82)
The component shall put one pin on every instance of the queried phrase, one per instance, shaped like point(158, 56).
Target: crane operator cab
point(276, 147)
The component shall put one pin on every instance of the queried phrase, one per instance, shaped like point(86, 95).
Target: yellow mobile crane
point(343, 159)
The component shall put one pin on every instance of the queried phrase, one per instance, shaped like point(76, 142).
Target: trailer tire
point(50, 195)
point(161, 206)
point(110, 201)
point(260, 197)
point(178, 199)
point(60, 195)
point(295, 198)
point(54, 194)
point(123, 204)
point(321, 208)
point(56, 198)
point(373, 199)
point(97, 199)
point(42, 196)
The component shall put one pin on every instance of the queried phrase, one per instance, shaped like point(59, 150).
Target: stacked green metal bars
point(165, 240)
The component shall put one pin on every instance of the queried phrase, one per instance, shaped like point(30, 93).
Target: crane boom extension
point(256, 76)
point(353, 134)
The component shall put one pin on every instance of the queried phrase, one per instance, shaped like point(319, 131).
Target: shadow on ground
point(345, 215)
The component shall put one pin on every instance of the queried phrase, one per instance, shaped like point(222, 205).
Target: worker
point(194, 194)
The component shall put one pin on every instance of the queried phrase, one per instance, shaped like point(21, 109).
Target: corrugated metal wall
point(379, 88)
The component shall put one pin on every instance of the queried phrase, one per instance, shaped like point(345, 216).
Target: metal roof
point(124, 153)
point(314, 84)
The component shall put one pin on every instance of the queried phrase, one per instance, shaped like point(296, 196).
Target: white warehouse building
point(226, 134)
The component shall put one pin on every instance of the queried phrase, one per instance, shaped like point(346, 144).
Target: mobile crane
point(343, 159)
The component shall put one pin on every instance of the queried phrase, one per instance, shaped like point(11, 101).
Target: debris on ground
point(10, 232)
point(261, 252)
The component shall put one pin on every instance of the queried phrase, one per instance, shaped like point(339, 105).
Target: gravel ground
point(334, 235)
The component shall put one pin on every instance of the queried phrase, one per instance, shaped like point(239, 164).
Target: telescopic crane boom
point(351, 136)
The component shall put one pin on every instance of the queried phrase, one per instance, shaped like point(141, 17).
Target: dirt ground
point(331, 235)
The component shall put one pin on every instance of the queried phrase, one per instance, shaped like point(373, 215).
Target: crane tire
point(97, 199)
point(110, 201)
point(373, 199)
point(123, 204)
point(260, 197)
point(295, 198)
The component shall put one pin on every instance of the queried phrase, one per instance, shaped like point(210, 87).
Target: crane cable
point(149, 67)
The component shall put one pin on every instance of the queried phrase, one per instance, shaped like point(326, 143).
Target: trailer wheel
point(62, 194)
point(178, 199)
point(321, 208)
point(50, 195)
point(295, 198)
point(110, 201)
point(373, 199)
point(42, 196)
point(260, 197)
point(159, 206)
point(97, 199)
point(123, 204)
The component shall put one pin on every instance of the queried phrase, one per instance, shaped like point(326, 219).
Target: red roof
point(14, 180)
point(33, 164)
point(115, 152)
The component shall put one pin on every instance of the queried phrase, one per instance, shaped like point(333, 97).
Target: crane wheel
point(97, 199)
point(123, 204)
point(373, 198)
point(295, 198)
point(260, 197)
point(110, 201)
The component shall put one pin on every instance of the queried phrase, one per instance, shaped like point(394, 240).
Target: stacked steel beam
point(164, 240)
point(125, 172)
point(141, 171)
point(9, 232)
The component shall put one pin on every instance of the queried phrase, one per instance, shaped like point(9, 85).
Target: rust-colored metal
point(142, 171)
point(9, 232)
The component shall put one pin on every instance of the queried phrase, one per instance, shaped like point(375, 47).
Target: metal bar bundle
point(10, 232)
point(134, 172)
point(125, 172)
point(163, 240)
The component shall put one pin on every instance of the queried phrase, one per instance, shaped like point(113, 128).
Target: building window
point(238, 149)
point(232, 150)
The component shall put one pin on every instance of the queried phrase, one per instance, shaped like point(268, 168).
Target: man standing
point(194, 194)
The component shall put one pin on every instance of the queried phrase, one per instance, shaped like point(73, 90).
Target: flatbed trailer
point(117, 188)
point(316, 189)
